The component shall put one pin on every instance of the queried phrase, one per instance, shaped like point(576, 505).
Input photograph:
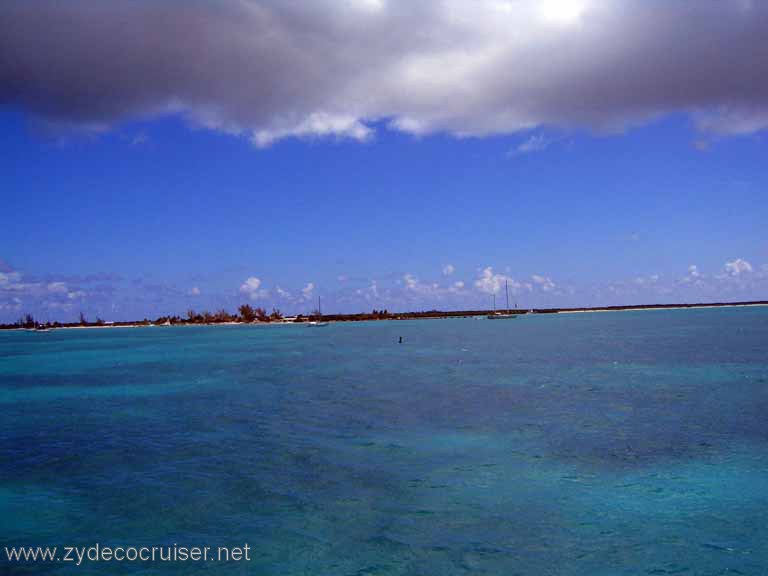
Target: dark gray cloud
point(276, 68)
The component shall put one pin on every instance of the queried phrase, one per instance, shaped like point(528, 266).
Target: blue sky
point(414, 203)
point(156, 212)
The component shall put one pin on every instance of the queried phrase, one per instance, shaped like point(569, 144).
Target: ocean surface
point(573, 444)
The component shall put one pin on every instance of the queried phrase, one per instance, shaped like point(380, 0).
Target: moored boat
point(319, 322)
point(508, 315)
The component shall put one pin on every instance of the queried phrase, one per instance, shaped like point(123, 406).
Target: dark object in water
point(401, 340)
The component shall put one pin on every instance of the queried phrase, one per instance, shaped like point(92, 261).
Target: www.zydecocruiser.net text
point(78, 555)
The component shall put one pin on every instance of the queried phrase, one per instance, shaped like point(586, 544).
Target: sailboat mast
point(506, 288)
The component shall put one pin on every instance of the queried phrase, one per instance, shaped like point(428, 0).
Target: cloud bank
point(113, 298)
point(272, 69)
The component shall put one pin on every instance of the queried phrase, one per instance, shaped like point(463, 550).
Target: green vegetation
point(247, 314)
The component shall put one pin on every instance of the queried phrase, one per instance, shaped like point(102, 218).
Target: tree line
point(245, 314)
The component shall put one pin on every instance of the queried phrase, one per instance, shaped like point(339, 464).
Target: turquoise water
point(572, 444)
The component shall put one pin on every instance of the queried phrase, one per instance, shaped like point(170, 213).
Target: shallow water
point(572, 444)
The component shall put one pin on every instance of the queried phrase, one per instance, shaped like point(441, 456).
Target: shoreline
point(641, 308)
point(431, 315)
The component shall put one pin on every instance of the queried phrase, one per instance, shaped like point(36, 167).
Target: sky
point(403, 155)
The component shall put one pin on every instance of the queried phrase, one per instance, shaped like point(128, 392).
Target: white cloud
point(308, 291)
point(738, 267)
point(371, 292)
point(694, 276)
point(544, 282)
point(317, 124)
point(252, 288)
point(432, 290)
point(491, 283)
point(7, 278)
point(13, 304)
point(448, 269)
point(252, 284)
point(39, 294)
point(562, 12)
point(12, 282)
point(194, 291)
point(645, 280)
point(536, 143)
point(413, 284)
point(283, 293)
point(727, 121)
point(57, 287)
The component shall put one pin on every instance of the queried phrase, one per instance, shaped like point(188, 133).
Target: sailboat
point(502, 315)
point(319, 321)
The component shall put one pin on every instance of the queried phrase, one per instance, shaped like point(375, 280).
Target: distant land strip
point(248, 315)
